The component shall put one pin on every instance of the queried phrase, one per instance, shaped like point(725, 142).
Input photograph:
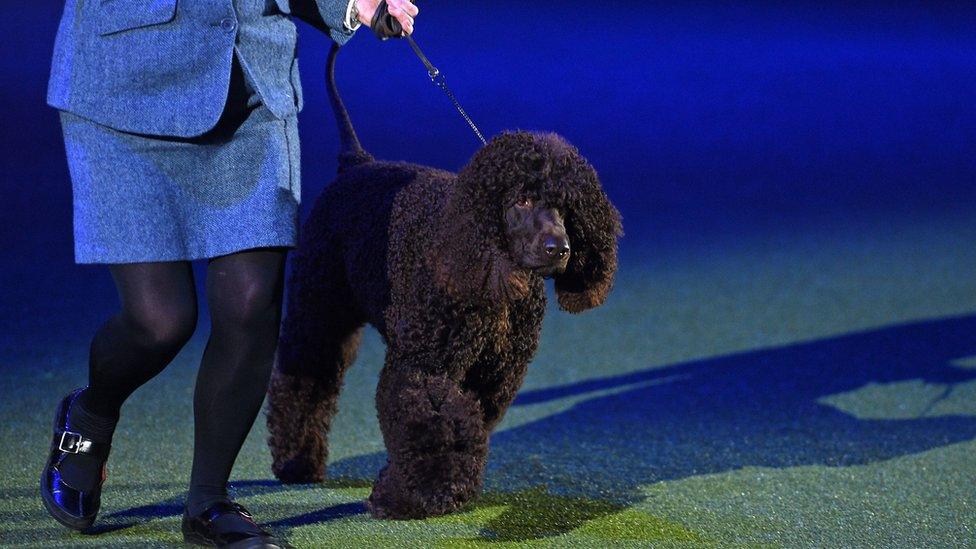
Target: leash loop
point(431, 69)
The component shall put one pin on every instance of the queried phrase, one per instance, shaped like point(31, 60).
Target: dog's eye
point(524, 202)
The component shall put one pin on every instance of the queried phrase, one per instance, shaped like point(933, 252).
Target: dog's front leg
point(495, 384)
point(435, 440)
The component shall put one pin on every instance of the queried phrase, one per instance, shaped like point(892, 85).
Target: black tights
point(158, 317)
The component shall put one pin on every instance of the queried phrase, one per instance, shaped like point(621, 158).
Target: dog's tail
point(351, 153)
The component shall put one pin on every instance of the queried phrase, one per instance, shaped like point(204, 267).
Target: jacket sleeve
point(325, 15)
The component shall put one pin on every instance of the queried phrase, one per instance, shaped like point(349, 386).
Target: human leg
point(157, 317)
point(244, 293)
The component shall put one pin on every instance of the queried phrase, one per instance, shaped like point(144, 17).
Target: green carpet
point(811, 386)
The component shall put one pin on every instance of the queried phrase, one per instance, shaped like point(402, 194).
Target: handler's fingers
point(409, 7)
point(400, 9)
point(405, 21)
point(405, 5)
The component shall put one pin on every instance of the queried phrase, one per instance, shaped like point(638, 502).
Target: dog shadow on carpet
point(851, 399)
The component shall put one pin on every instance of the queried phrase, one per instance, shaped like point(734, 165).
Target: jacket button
point(228, 24)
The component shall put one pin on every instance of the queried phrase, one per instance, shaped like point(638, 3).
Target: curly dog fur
point(421, 255)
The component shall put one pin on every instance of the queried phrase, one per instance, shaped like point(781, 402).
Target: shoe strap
point(76, 443)
point(231, 517)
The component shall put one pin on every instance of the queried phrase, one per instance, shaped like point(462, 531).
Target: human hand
point(403, 10)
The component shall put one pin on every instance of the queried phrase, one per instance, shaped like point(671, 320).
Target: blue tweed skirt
point(143, 198)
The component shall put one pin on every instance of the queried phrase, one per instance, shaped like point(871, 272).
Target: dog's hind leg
point(319, 340)
point(436, 444)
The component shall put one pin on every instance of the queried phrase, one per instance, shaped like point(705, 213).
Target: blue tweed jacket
point(162, 67)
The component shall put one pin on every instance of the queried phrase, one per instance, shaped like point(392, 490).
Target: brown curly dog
point(450, 269)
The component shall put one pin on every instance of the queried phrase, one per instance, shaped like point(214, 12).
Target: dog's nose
point(557, 247)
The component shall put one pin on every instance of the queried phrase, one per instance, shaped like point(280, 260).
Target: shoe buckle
point(240, 509)
point(73, 443)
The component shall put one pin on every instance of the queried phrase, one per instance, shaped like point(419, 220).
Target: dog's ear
point(468, 259)
point(593, 225)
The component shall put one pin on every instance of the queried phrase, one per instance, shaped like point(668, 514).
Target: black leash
point(386, 26)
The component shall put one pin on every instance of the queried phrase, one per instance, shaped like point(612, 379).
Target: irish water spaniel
point(450, 269)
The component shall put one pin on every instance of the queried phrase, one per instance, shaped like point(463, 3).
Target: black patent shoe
point(227, 524)
point(72, 507)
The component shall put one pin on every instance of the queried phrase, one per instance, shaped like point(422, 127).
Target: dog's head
point(528, 204)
